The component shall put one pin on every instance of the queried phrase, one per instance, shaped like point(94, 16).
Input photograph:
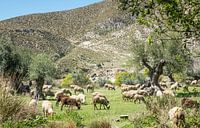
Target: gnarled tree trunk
point(155, 72)
point(38, 90)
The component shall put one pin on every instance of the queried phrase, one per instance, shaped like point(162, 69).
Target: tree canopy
point(182, 16)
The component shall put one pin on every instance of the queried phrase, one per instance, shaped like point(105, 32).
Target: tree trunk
point(157, 73)
point(171, 77)
point(39, 86)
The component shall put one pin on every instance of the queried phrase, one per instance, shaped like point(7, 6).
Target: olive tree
point(14, 62)
point(41, 67)
point(161, 57)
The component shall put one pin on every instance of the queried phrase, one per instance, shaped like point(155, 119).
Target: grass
point(88, 114)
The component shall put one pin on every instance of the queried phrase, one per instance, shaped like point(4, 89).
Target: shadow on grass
point(188, 94)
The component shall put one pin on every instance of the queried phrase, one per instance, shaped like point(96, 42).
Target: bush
point(101, 82)
point(75, 117)
point(10, 106)
point(68, 80)
point(129, 78)
point(100, 124)
point(80, 78)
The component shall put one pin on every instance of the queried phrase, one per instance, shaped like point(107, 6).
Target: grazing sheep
point(62, 92)
point(90, 87)
point(47, 108)
point(78, 89)
point(48, 92)
point(70, 102)
point(169, 92)
point(138, 98)
point(111, 87)
point(175, 86)
point(194, 82)
point(142, 92)
point(128, 95)
point(47, 86)
point(159, 93)
point(100, 100)
point(99, 94)
point(33, 103)
point(79, 98)
point(73, 86)
point(189, 103)
point(177, 116)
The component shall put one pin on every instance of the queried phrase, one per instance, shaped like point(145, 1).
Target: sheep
point(130, 87)
point(138, 98)
point(194, 82)
point(90, 87)
point(189, 103)
point(73, 86)
point(100, 100)
point(33, 104)
point(175, 86)
point(177, 116)
point(128, 95)
point(62, 92)
point(111, 87)
point(99, 94)
point(142, 92)
point(169, 92)
point(69, 101)
point(47, 86)
point(47, 108)
point(48, 92)
point(79, 98)
point(78, 89)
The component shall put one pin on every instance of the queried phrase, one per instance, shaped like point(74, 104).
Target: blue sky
point(13, 8)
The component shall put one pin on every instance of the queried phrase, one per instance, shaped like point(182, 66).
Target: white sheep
point(177, 116)
point(175, 86)
point(33, 103)
point(47, 108)
point(79, 98)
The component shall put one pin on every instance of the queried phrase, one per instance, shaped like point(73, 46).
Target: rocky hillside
point(86, 36)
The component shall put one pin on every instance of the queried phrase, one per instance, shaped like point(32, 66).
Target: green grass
point(87, 112)
point(118, 107)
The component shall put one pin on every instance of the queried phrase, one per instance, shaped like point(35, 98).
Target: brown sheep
point(69, 101)
point(128, 95)
point(78, 89)
point(100, 100)
point(90, 87)
point(189, 103)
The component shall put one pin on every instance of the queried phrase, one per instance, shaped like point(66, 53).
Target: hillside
point(99, 32)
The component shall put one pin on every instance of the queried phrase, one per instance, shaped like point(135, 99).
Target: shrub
point(68, 80)
point(101, 82)
point(129, 78)
point(10, 106)
point(100, 124)
point(75, 117)
point(80, 78)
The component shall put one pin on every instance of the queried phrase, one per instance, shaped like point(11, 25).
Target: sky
point(14, 8)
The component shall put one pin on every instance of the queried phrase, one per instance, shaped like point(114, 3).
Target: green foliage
point(181, 16)
point(41, 67)
point(38, 121)
point(145, 121)
point(176, 56)
point(128, 78)
point(76, 117)
point(68, 80)
point(10, 106)
point(80, 78)
point(100, 124)
point(101, 82)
